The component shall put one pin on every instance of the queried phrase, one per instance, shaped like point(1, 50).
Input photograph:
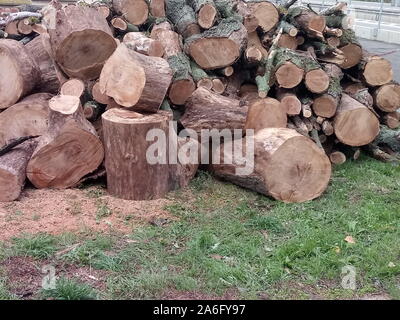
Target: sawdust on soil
point(75, 210)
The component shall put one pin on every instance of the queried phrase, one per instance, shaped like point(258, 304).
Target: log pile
point(82, 85)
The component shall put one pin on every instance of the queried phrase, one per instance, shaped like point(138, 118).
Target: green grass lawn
point(223, 239)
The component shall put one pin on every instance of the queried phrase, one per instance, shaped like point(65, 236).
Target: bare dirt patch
point(75, 210)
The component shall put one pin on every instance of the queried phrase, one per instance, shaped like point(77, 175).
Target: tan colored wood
point(134, 11)
point(73, 87)
point(289, 75)
point(387, 97)
point(144, 45)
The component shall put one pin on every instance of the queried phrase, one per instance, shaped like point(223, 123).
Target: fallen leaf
point(349, 239)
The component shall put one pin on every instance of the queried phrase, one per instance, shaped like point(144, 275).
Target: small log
point(144, 45)
point(327, 128)
point(218, 85)
point(307, 20)
point(97, 95)
point(129, 173)
point(351, 49)
point(157, 8)
point(306, 110)
point(341, 21)
point(19, 73)
point(51, 77)
point(288, 166)
point(134, 11)
point(92, 110)
point(135, 80)
point(265, 113)
point(354, 123)
point(24, 27)
point(76, 29)
point(289, 101)
point(68, 151)
point(219, 46)
point(287, 41)
point(333, 41)
point(375, 70)
point(201, 78)
point(387, 97)
point(26, 118)
point(392, 120)
point(119, 23)
point(205, 11)
point(265, 13)
point(73, 87)
point(337, 157)
point(300, 124)
point(183, 17)
point(104, 11)
point(13, 170)
point(201, 112)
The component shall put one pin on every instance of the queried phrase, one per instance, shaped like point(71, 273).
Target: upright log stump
point(129, 173)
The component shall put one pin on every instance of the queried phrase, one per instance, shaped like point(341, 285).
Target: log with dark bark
point(201, 112)
point(265, 113)
point(135, 80)
point(75, 30)
point(183, 17)
point(392, 119)
point(13, 170)
point(19, 73)
point(27, 118)
point(288, 166)
point(51, 77)
point(219, 46)
point(354, 123)
point(69, 150)
point(130, 174)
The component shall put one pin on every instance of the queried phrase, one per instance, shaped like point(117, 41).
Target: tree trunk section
point(144, 45)
point(387, 97)
point(375, 70)
point(289, 101)
point(134, 11)
point(288, 166)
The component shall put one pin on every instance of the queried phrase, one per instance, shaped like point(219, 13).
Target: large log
point(81, 40)
point(51, 77)
point(265, 113)
point(19, 73)
point(69, 150)
point(202, 113)
point(288, 166)
point(130, 175)
point(134, 11)
point(27, 118)
point(219, 46)
point(135, 80)
point(387, 97)
point(266, 14)
point(354, 124)
point(13, 170)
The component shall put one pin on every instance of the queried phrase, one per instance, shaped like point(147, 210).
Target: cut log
point(104, 11)
point(325, 105)
point(157, 8)
point(206, 12)
point(307, 20)
point(19, 73)
point(354, 123)
point(201, 112)
point(51, 77)
point(81, 40)
point(119, 23)
point(27, 118)
point(289, 75)
point(288, 166)
point(97, 95)
point(144, 45)
point(287, 41)
point(134, 11)
point(387, 97)
point(375, 70)
point(306, 110)
point(340, 21)
point(358, 91)
point(317, 81)
point(73, 87)
point(219, 46)
point(183, 17)
point(69, 150)
point(265, 113)
point(13, 170)
point(392, 120)
point(219, 85)
point(265, 12)
point(289, 101)
point(135, 80)
point(351, 49)
point(327, 128)
point(92, 110)
point(201, 78)
point(130, 174)
point(337, 157)
point(24, 27)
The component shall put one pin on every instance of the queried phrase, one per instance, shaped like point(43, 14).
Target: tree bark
point(144, 45)
point(19, 73)
point(288, 166)
point(354, 124)
point(69, 150)
point(183, 17)
point(135, 80)
point(76, 29)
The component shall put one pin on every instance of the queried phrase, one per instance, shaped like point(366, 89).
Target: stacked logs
point(84, 88)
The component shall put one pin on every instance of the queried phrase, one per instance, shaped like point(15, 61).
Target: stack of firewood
point(86, 82)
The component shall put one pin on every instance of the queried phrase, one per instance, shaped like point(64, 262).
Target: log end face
point(387, 97)
point(378, 72)
point(353, 55)
point(317, 81)
point(181, 90)
point(207, 16)
point(289, 75)
point(65, 104)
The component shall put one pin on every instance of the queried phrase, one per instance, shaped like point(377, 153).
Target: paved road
point(389, 51)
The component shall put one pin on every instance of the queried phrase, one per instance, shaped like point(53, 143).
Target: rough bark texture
point(288, 166)
point(75, 30)
point(27, 118)
point(183, 17)
point(69, 150)
point(129, 173)
point(13, 170)
point(19, 73)
point(201, 112)
point(135, 80)
point(354, 123)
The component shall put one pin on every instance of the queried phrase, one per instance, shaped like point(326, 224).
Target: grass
point(227, 239)
point(67, 289)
